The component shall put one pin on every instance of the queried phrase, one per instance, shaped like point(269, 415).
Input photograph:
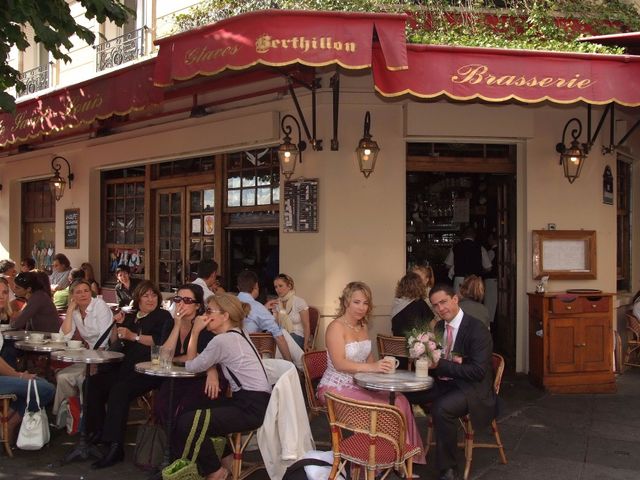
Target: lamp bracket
point(56, 165)
point(591, 139)
point(334, 83)
point(315, 84)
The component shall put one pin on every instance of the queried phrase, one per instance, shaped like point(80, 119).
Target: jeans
point(18, 387)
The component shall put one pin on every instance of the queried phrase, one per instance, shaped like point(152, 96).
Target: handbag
point(185, 468)
point(34, 430)
point(151, 441)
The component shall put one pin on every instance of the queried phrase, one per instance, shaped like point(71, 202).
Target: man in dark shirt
point(467, 257)
point(126, 285)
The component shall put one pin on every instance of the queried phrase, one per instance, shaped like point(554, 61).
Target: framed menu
point(72, 228)
point(564, 254)
point(301, 205)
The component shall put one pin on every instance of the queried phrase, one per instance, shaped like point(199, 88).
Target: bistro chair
point(264, 343)
point(314, 364)
point(633, 341)
point(5, 400)
point(109, 295)
point(394, 346)
point(314, 317)
point(375, 440)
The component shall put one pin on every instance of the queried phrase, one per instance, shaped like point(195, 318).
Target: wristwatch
point(137, 338)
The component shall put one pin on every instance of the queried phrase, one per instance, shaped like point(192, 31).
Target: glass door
point(201, 228)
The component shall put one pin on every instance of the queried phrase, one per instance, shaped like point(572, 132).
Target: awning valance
point(278, 38)
point(117, 93)
point(497, 75)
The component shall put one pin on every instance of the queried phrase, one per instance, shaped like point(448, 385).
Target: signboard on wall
point(72, 228)
point(301, 205)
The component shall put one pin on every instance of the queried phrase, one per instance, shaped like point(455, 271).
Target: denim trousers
point(18, 387)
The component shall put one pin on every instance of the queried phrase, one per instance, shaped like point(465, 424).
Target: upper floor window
point(253, 178)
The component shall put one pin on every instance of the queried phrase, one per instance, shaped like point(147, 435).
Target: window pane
point(248, 196)
point(233, 182)
point(209, 199)
point(249, 181)
point(233, 198)
point(195, 202)
point(276, 195)
point(264, 196)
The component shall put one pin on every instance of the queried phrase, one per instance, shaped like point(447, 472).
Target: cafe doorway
point(38, 223)
point(451, 186)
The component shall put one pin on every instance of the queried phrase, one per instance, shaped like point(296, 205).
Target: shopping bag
point(186, 468)
point(151, 441)
point(69, 415)
point(34, 430)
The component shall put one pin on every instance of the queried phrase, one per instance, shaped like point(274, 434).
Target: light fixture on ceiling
point(572, 158)
point(368, 149)
point(57, 183)
point(289, 152)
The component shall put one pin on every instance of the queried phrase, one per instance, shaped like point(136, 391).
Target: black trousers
point(110, 394)
point(448, 403)
point(245, 411)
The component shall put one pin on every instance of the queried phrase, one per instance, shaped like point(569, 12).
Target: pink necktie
point(449, 342)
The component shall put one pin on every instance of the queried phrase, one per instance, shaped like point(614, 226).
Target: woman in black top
point(111, 391)
point(409, 309)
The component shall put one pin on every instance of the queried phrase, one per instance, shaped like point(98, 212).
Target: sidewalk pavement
point(568, 437)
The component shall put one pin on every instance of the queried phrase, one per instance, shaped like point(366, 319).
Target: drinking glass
point(166, 358)
point(155, 355)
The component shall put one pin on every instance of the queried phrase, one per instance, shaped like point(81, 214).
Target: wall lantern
point(368, 149)
point(288, 152)
point(57, 183)
point(572, 158)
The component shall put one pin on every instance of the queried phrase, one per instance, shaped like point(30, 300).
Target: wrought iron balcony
point(35, 79)
point(120, 50)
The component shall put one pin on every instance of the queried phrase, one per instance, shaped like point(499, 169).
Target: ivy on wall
point(517, 24)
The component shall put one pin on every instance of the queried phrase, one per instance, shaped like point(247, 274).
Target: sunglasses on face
point(210, 311)
point(186, 300)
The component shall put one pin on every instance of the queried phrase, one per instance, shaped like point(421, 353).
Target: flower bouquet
point(425, 347)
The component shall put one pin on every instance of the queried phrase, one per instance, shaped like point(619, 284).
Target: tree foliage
point(53, 25)
point(524, 24)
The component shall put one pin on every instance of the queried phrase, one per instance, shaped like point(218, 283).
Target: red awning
point(278, 38)
point(117, 93)
point(497, 75)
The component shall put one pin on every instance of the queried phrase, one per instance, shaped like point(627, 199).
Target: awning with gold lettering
point(117, 93)
point(279, 38)
point(498, 75)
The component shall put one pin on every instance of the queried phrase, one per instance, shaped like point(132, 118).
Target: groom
point(460, 387)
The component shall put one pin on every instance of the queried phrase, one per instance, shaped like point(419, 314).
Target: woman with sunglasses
point(232, 350)
point(189, 393)
point(111, 391)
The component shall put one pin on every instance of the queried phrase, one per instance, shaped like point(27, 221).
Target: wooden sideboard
point(571, 342)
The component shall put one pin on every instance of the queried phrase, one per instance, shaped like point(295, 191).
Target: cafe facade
point(175, 158)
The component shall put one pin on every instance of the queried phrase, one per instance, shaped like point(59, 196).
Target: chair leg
point(409, 468)
point(496, 434)
point(468, 447)
point(429, 442)
point(334, 468)
point(4, 419)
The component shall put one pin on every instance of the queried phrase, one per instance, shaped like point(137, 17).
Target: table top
point(400, 381)
point(84, 355)
point(148, 368)
point(21, 334)
point(46, 346)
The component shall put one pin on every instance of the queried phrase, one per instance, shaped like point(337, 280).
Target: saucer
point(36, 342)
point(77, 349)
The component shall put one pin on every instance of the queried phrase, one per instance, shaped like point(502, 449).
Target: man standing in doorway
point(467, 257)
point(260, 319)
point(464, 378)
point(208, 278)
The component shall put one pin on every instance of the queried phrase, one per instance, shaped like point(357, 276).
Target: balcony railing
point(120, 50)
point(35, 80)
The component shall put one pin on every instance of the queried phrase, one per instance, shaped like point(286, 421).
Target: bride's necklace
point(355, 328)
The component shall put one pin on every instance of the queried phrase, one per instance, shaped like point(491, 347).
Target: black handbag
point(151, 441)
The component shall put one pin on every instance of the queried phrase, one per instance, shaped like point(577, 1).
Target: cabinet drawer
point(595, 304)
point(566, 304)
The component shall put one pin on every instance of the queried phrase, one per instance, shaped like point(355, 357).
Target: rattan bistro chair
point(376, 441)
point(264, 343)
point(314, 318)
point(394, 346)
point(632, 353)
point(5, 400)
point(314, 364)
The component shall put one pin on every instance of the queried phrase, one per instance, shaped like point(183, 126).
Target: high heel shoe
point(113, 456)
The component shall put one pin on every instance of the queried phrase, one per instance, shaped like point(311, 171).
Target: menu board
point(301, 206)
point(72, 228)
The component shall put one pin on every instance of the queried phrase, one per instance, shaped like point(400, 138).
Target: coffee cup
point(57, 337)
point(36, 337)
point(74, 344)
point(393, 361)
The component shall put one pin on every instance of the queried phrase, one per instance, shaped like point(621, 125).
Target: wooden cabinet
point(570, 342)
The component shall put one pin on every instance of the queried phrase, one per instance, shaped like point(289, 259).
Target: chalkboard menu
point(72, 228)
point(301, 206)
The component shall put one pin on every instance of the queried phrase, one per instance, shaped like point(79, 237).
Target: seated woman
point(126, 285)
point(636, 305)
point(111, 391)
point(470, 298)
point(91, 317)
point(409, 310)
point(16, 383)
point(291, 311)
point(91, 278)
point(232, 350)
point(189, 393)
point(61, 297)
point(39, 313)
point(429, 279)
point(349, 352)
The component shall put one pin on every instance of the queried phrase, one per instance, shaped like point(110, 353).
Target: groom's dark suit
point(468, 390)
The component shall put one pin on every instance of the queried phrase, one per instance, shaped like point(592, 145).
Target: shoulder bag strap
point(203, 434)
point(194, 427)
point(104, 336)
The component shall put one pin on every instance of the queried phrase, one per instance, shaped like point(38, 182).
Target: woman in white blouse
point(91, 317)
point(291, 311)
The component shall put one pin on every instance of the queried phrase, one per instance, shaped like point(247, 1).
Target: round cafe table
point(47, 346)
point(21, 334)
point(148, 368)
point(89, 357)
point(400, 381)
